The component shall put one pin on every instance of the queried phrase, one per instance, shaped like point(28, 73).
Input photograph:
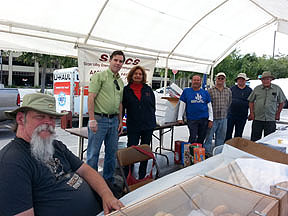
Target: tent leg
point(165, 78)
point(81, 142)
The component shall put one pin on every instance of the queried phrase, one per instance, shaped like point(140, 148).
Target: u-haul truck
point(67, 91)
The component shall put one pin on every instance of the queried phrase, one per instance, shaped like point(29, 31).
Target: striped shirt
point(221, 101)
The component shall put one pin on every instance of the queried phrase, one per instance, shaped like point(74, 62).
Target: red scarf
point(136, 87)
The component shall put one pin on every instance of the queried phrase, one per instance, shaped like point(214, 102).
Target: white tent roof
point(195, 35)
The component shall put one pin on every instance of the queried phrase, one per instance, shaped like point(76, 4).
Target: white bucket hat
point(242, 75)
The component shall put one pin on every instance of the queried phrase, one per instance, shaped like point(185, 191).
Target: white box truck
point(67, 91)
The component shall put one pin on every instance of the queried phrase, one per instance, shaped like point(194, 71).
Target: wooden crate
point(202, 195)
point(233, 174)
point(282, 196)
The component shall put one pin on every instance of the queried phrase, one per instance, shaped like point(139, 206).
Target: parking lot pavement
point(180, 133)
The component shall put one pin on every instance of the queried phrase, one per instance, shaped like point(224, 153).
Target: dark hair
point(117, 52)
point(132, 71)
point(197, 75)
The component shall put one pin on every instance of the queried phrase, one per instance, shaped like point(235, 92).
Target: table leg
point(172, 138)
point(161, 140)
point(160, 147)
point(167, 159)
point(80, 147)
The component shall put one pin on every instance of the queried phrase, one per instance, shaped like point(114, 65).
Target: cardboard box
point(189, 152)
point(186, 154)
point(203, 196)
point(199, 155)
point(258, 150)
point(172, 100)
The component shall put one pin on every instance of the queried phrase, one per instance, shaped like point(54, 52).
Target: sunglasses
point(117, 85)
point(220, 78)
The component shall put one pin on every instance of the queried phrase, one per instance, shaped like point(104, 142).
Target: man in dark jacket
point(238, 110)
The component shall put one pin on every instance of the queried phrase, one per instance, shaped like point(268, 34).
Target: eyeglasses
point(117, 85)
point(220, 78)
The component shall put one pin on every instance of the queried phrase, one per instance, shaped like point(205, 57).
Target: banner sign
point(91, 61)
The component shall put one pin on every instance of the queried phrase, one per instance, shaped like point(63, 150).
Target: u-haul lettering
point(62, 76)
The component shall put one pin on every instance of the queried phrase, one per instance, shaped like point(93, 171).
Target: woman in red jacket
point(139, 104)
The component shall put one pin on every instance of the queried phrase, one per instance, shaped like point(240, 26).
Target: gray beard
point(42, 149)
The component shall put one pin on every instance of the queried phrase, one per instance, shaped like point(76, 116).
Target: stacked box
point(199, 155)
point(188, 153)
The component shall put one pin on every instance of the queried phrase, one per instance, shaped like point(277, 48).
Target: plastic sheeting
point(194, 35)
point(256, 174)
point(278, 139)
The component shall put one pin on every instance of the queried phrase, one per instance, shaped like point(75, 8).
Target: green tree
point(252, 66)
point(47, 61)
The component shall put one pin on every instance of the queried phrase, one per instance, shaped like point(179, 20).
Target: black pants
point(197, 130)
point(238, 123)
point(258, 127)
point(133, 139)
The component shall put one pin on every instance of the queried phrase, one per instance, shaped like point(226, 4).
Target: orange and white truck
point(67, 91)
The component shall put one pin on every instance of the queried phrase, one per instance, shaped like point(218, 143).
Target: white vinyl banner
point(91, 61)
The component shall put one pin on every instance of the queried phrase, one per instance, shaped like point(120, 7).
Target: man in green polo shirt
point(265, 103)
point(105, 114)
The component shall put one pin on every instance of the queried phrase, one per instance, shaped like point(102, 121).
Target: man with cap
point(40, 176)
point(265, 103)
point(221, 98)
point(238, 110)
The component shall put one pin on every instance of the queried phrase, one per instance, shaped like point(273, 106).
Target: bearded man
point(40, 176)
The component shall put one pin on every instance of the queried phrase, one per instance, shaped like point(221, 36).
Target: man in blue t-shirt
point(238, 110)
point(40, 176)
point(199, 113)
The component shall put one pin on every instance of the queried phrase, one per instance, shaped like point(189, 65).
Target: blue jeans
point(219, 128)
point(107, 132)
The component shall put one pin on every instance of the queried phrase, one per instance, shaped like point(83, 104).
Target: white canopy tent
point(185, 34)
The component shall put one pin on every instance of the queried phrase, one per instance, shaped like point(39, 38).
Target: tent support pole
point(223, 55)
point(195, 24)
point(211, 76)
point(97, 18)
point(274, 42)
point(165, 77)
point(80, 116)
point(184, 36)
